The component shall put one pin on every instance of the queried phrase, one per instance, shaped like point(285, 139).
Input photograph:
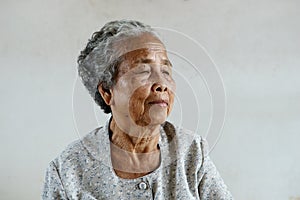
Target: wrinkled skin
point(140, 101)
point(146, 82)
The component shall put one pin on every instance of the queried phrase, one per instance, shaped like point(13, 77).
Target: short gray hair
point(98, 62)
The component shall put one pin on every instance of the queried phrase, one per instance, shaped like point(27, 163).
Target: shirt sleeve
point(211, 186)
point(53, 187)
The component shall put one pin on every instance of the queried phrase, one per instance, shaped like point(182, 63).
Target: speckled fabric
point(84, 171)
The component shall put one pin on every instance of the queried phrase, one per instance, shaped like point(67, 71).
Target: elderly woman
point(137, 154)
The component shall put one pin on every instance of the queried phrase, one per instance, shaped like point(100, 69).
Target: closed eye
point(144, 72)
point(166, 72)
point(142, 69)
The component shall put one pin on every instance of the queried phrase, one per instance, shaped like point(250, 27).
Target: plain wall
point(255, 44)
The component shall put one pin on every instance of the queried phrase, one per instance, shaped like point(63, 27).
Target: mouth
point(160, 102)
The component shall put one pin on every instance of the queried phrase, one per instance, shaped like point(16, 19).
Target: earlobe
point(106, 94)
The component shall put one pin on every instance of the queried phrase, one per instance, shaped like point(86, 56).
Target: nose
point(157, 87)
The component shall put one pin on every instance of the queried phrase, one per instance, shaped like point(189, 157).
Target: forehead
point(145, 48)
point(140, 45)
point(145, 55)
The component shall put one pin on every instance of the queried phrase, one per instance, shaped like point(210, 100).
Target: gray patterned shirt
point(84, 170)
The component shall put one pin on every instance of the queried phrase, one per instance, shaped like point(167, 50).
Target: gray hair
point(98, 62)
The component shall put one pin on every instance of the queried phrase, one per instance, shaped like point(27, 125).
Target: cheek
point(171, 102)
point(137, 109)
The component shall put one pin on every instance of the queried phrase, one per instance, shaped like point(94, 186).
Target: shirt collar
point(97, 143)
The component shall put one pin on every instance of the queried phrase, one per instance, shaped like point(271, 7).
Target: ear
point(106, 94)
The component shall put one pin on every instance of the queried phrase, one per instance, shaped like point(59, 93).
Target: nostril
point(158, 89)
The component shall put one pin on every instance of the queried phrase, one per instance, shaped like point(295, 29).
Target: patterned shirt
point(84, 170)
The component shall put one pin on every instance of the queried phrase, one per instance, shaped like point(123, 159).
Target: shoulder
point(187, 137)
point(185, 141)
point(76, 151)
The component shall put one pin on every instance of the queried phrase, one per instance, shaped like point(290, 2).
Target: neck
point(134, 153)
point(137, 140)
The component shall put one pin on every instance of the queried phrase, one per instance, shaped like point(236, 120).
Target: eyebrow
point(147, 60)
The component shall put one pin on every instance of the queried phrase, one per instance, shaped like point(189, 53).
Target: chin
point(158, 118)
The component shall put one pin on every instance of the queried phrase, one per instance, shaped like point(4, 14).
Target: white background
point(255, 44)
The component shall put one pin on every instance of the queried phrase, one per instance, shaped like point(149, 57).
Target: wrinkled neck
point(138, 139)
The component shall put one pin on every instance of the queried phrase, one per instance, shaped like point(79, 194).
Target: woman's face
point(144, 90)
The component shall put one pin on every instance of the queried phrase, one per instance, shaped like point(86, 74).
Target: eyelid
point(166, 72)
point(142, 68)
point(144, 71)
point(167, 68)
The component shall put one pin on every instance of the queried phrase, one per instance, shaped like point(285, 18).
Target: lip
point(159, 102)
